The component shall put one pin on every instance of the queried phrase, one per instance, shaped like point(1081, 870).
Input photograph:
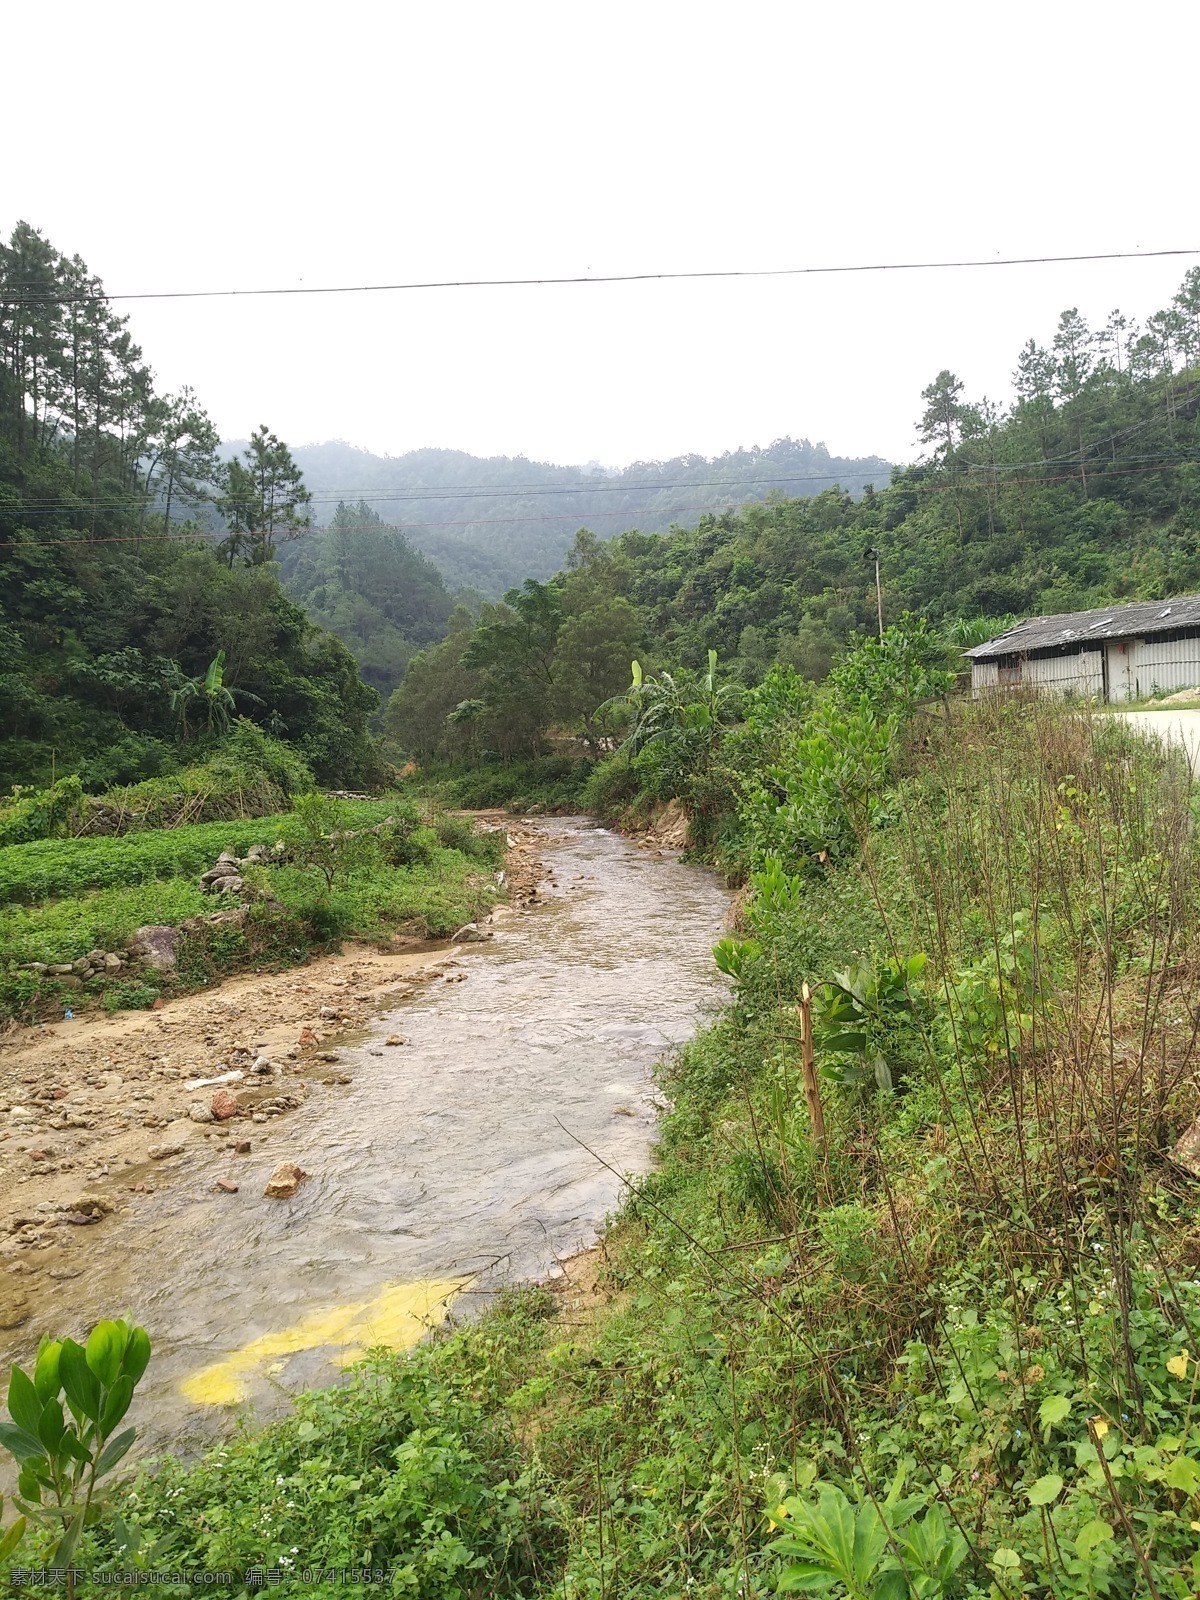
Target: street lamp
point(873, 555)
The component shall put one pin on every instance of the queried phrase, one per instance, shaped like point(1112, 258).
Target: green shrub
point(243, 773)
point(611, 786)
point(41, 813)
point(549, 784)
point(133, 996)
point(461, 834)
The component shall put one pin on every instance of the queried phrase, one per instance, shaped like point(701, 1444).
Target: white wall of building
point(1162, 666)
point(1081, 675)
point(1137, 668)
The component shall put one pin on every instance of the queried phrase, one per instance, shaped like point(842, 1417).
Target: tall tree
point(1075, 349)
point(181, 451)
point(264, 499)
point(942, 420)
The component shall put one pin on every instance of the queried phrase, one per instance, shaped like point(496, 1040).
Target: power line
point(217, 534)
point(612, 277)
point(431, 495)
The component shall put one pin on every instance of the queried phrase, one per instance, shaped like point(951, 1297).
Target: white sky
point(251, 144)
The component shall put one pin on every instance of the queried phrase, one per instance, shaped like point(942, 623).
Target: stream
point(464, 1161)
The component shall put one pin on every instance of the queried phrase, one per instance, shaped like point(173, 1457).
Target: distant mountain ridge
point(490, 522)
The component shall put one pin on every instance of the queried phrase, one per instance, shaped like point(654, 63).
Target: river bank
point(471, 1157)
point(102, 1108)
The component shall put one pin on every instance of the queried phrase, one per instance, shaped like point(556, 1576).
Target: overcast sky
point(260, 144)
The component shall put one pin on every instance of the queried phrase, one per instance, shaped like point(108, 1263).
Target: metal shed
point(1116, 653)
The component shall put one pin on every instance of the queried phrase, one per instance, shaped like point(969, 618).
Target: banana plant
point(63, 1431)
point(210, 689)
point(217, 699)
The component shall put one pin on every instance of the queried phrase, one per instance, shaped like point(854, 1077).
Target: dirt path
point(98, 1108)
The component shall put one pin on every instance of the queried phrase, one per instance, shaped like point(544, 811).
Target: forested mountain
point(1086, 490)
point(362, 579)
point(110, 614)
point(490, 523)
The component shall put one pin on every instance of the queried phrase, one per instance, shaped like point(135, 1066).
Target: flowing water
point(492, 1144)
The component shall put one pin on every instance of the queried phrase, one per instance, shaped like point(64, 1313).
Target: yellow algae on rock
point(399, 1316)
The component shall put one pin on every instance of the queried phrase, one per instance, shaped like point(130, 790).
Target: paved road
point(1175, 727)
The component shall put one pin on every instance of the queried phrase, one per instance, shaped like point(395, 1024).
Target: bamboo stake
point(812, 1092)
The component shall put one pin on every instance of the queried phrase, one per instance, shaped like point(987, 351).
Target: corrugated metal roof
point(1136, 621)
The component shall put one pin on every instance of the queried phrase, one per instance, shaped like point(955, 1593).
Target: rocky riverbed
point(99, 1110)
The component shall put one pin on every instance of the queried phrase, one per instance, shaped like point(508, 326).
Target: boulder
point(284, 1181)
point(199, 1112)
point(160, 1152)
point(470, 933)
point(157, 945)
point(228, 883)
point(226, 1186)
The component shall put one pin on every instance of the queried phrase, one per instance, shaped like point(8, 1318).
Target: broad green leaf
point(870, 1541)
point(27, 1447)
point(1184, 1474)
point(807, 1577)
point(65, 1553)
point(1054, 1408)
point(80, 1382)
point(51, 1425)
point(28, 1485)
point(1091, 1534)
point(114, 1450)
point(892, 1585)
point(10, 1540)
point(23, 1404)
point(844, 1042)
point(105, 1347)
point(45, 1376)
point(70, 1444)
point(117, 1404)
point(137, 1355)
point(1046, 1490)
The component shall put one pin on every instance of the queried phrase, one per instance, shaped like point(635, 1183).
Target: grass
point(46, 867)
point(423, 879)
point(969, 1318)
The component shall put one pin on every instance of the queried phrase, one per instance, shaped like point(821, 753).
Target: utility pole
point(873, 555)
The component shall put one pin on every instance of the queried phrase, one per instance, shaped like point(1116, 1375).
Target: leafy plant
point(859, 1013)
point(733, 956)
point(992, 1001)
point(319, 841)
point(875, 1550)
point(907, 663)
point(64, 1453)
point(825, 790)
